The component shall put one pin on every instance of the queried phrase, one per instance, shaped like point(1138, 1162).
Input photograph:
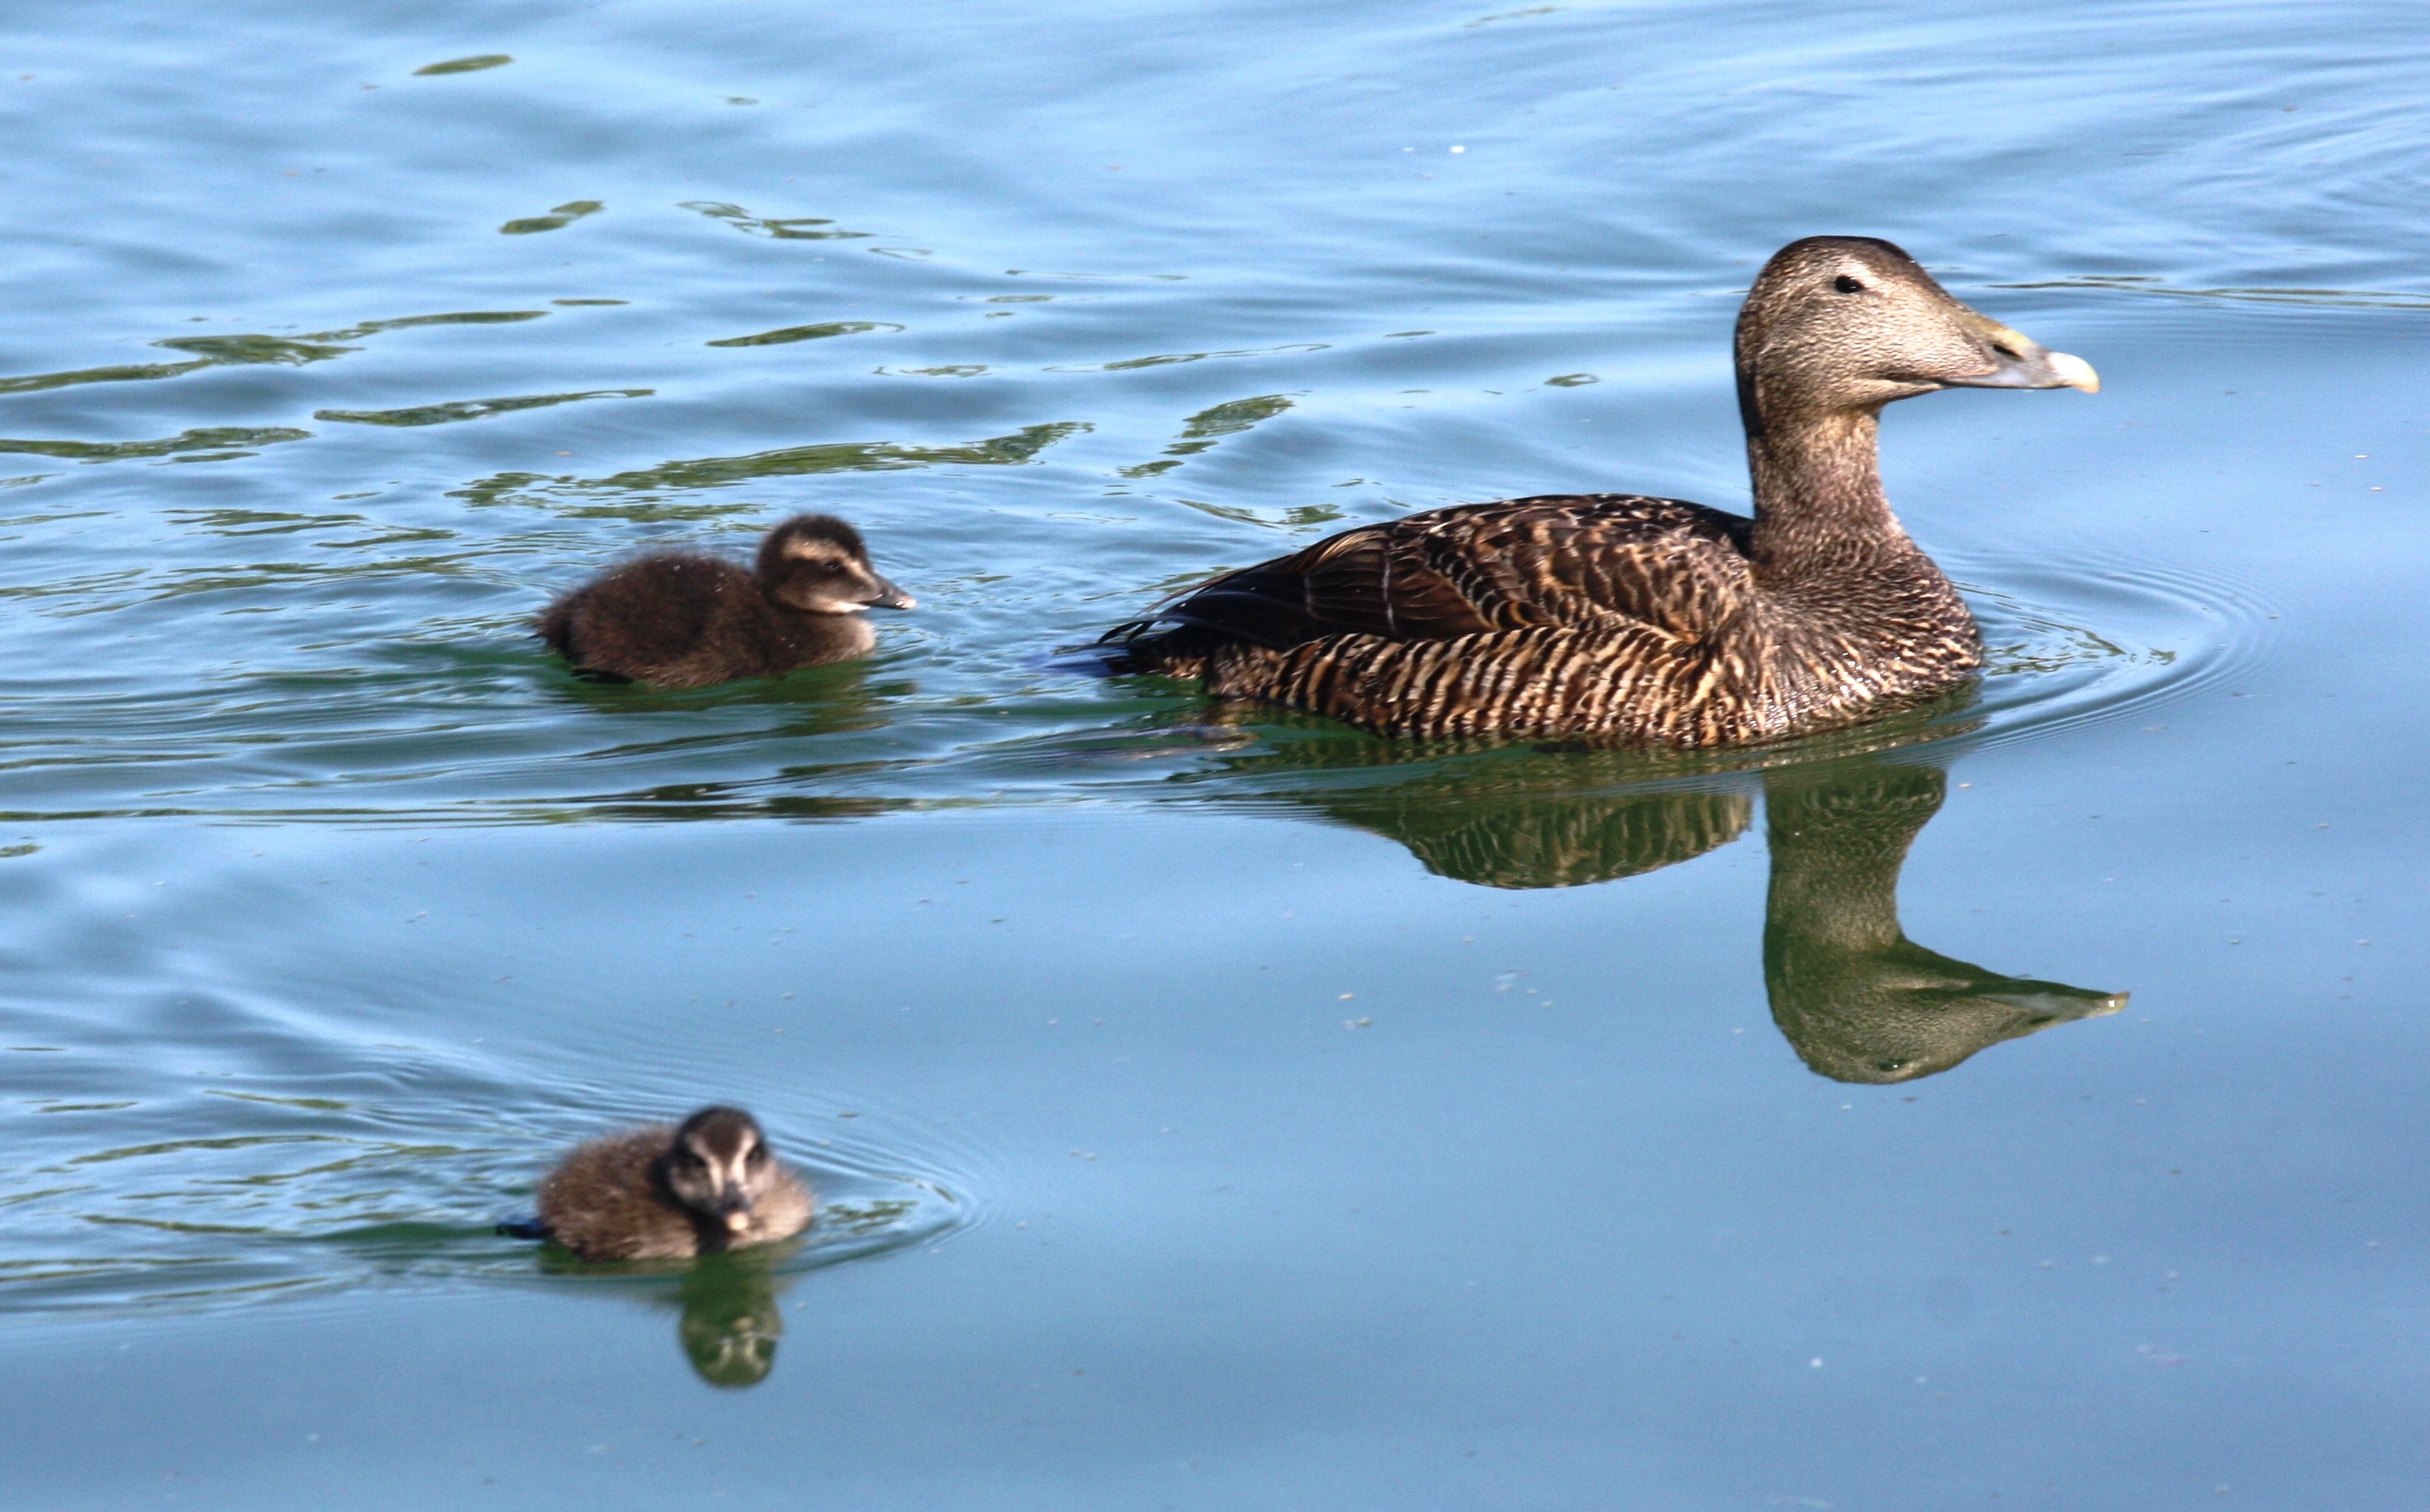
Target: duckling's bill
point(886, 595)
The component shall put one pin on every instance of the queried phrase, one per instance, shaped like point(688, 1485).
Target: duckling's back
point(601, 1203)
point(672, 618)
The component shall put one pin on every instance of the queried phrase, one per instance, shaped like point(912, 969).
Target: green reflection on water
point(441, 414)
point(121, 373)
point(807, 333)
point(407, 323)
point(239, 350)
point(1202, 429)
point(562, 216)
point(465, 65)
point(2144, 284)
point(205, 439)
point(717, 471)
point(794, 228)
point(1164, 359)
point(253, 349)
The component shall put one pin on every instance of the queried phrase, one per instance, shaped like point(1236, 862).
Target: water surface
point(2014, 1103)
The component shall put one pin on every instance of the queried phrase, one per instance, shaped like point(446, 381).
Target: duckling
point(1640, 620)
point(656, 1193)
point(684, 620)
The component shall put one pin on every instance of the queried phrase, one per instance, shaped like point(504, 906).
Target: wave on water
point(147, 1176)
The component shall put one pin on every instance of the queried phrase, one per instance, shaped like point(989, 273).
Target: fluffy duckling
point(684, 620)
point(1641, 620)
point(661, 1193)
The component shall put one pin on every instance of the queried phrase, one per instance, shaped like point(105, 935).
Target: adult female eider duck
point(661, 1193)
point(684, 620)
point(1641, 620)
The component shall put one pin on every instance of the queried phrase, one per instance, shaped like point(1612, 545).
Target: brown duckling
point(684, 620)
point(660, 1193)
point(1643, 620)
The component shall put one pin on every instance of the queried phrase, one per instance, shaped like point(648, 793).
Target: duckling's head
point(718, 1167)
point(1843, 325)
point(816, 563)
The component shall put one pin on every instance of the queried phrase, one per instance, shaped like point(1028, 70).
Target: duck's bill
point(2020, 362)
point(887, 596)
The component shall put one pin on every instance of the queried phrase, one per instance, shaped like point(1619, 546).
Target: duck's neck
point(1820, 512)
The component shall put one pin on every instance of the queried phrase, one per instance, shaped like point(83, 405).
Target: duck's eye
point(1847, 285)
point(758, 1157)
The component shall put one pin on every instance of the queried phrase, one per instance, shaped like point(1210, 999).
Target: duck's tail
point(1154, 645)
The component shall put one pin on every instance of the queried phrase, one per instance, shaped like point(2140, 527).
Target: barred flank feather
point(1638, 619)
point(1603, 643)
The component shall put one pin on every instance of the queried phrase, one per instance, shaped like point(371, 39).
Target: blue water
point(1211, 1108)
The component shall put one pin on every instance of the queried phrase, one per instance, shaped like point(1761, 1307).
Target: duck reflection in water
point(1858, 1000)
point(1861, 1001)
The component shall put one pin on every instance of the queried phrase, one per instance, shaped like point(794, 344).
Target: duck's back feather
point(678, 619)
point(1593, 559)
point(603, 1204)
point(1615, 615)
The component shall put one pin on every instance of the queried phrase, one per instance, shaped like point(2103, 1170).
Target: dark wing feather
point(1515, 564)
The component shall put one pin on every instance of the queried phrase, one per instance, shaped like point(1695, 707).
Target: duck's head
point(718, 1168)
point(816, 563)
point(1843, 325)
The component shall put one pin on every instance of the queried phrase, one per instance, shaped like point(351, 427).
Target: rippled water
point(2016, 1099)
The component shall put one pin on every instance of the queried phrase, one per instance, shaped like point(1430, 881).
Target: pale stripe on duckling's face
point(823, 576)
point(719, 1168)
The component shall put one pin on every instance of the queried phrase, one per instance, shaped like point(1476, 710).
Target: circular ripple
point(280, 1158)
point(2067, 649)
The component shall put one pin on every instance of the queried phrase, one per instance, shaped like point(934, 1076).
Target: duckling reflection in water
point(1856, 999)
point(686, 620)
point(730, 1319)
point(705, 1186)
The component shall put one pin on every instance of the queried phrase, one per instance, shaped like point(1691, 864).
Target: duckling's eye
point(758, 1157)
point(1847, 285)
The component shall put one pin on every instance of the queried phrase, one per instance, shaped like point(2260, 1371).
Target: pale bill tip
point(2076, 373)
